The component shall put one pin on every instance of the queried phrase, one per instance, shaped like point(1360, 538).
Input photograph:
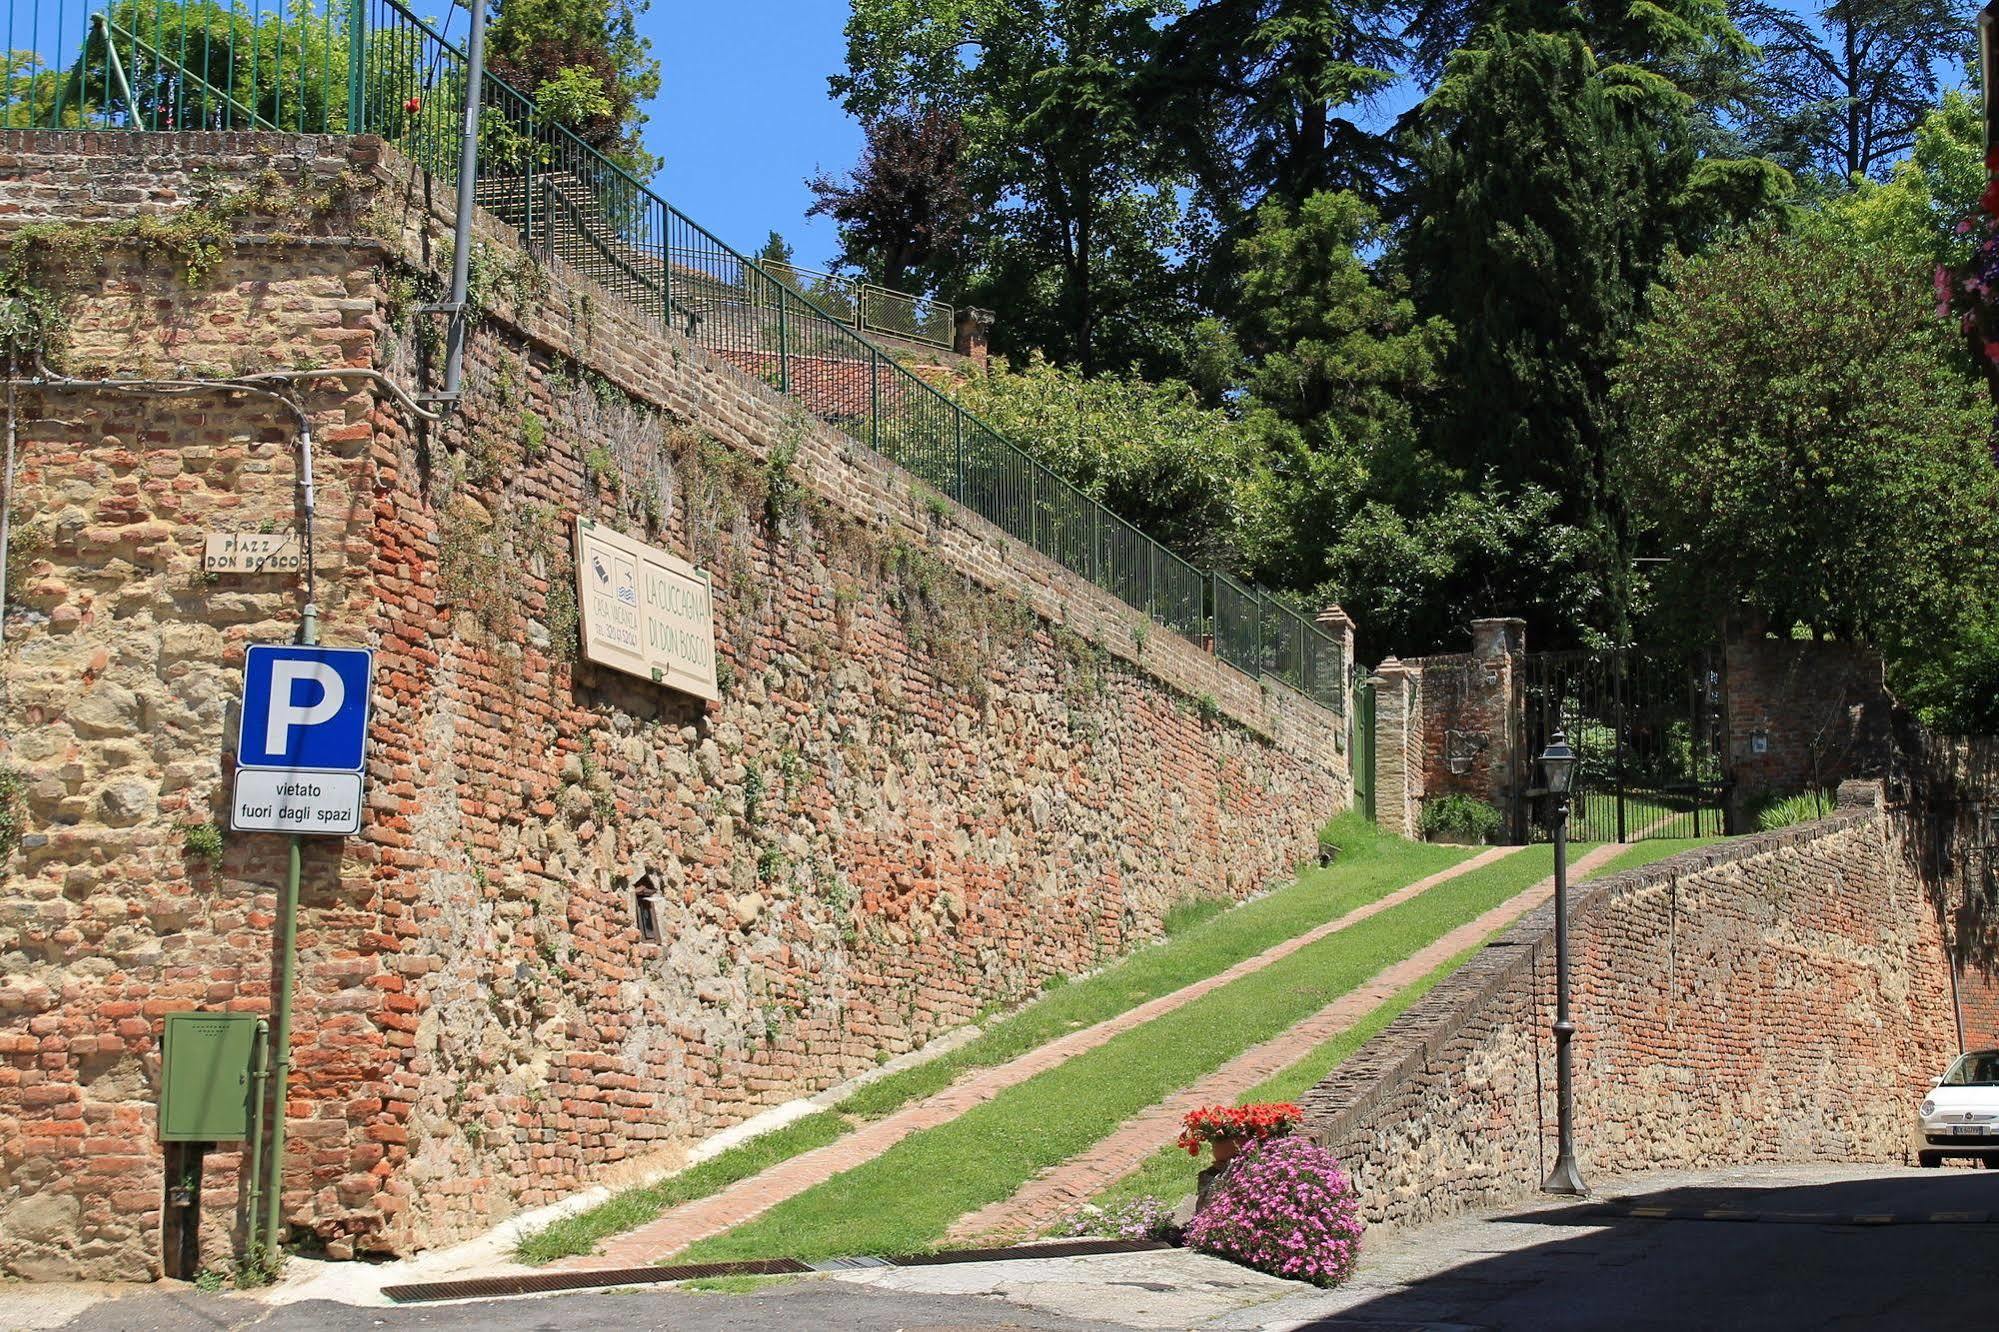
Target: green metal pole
point(259, 1074)
point(783, 346)
point(357, 59)
point(281, 1003)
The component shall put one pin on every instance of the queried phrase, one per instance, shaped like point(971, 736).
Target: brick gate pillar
point(1398, 747)
point(1498, 646)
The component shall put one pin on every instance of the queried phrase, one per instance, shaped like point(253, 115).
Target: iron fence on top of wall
point(354, 66)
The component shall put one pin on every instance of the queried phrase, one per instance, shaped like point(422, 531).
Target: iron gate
point(1648, 730)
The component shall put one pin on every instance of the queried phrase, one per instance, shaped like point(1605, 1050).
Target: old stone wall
point(943, 771)
point(1803, 716)
point(1784, 997)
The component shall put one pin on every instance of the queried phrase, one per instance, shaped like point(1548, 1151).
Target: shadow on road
point(1898, 1251)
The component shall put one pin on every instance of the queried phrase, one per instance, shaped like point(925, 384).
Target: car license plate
point(1962, 1129)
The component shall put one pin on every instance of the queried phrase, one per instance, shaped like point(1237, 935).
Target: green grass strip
point(905, 1199)
point(634, 1207)
point(1205, 937)
point(1370, 866)
point(1170, 1173)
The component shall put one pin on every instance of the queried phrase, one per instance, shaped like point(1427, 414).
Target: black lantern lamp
point(1558, 766)
point(1558, 770)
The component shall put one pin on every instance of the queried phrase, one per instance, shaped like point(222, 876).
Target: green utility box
point(205, 1077)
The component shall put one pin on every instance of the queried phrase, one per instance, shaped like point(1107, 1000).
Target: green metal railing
point(869, 306)
point(353, 66)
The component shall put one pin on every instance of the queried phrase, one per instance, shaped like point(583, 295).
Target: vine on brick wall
point(47, 262)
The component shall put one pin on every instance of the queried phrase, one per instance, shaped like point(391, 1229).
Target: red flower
point(1267, 1119)
point(413, 105)
point(1988, 202)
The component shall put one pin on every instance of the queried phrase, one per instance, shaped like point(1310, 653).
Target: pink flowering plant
point(1969, 288)
point(1144, 1217)
point(1284, 1207)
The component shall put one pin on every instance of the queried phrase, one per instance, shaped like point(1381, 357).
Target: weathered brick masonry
point(1783, 997)
point(943, 770)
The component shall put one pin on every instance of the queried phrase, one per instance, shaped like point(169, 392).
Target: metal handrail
point(563, 195)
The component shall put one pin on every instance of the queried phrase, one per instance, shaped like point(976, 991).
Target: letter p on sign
point(304, 708)
point(285, 712)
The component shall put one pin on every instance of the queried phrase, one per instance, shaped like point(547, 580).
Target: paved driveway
point(1763, 1248)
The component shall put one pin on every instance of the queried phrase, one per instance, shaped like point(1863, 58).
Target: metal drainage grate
point(546, 1283)
point(1067, 1249)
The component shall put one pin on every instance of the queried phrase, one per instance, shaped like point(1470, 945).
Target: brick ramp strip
point(1054, 1193)
point(695, 1221)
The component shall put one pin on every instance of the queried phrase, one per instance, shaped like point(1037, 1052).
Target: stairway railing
point(354, 66)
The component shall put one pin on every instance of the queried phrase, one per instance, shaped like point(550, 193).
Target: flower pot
point(1225, 1150)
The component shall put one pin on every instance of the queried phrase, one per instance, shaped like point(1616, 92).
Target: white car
point(1960, 1116)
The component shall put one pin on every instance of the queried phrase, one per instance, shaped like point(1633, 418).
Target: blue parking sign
point(304, 708)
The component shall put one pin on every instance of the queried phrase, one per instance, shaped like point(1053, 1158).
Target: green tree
point(1842, 92)
point(1415, 574)
point(1258, 101)
point(776, 250)
point(1693, 43)
point(1150, 452)
point(1334, 358)
point(1071, 214)
point(1805, 441)
point(1548, 197)
point(587, 67)
point(1921, 209)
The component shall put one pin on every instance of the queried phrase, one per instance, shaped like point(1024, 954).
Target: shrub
point(203, 841)
point(1783, 811)
point(1284, 1207)
point(1460, 818)
point(1143, 1217)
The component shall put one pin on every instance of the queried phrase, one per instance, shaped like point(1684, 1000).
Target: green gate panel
point(205, 1077)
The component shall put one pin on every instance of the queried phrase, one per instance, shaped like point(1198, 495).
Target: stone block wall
point(943, 770)
point(1784, 997)
point(1803, 716)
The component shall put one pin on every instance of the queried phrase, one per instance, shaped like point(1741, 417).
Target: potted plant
point(1225, 1128)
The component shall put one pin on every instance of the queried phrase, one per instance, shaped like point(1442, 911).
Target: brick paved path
point(1054, 1193)
point(696, 1221)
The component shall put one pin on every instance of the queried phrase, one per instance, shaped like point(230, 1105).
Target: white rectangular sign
point(274, 800)
point(252, 552)
point(644, 611)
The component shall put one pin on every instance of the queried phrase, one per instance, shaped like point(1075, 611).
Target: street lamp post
point(1558, 766)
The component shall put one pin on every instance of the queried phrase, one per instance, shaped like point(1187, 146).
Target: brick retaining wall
point(943, 771)
point(1784, 997)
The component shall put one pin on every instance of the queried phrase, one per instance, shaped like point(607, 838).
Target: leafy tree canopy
point(1842, 92)
point(1805, 440)
point(905, 207)
point(1151, 452)
point(585, 64)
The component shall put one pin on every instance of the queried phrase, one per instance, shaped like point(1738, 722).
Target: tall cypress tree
point(1549, 192)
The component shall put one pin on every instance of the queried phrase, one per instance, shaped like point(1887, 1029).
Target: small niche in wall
point(648, 908)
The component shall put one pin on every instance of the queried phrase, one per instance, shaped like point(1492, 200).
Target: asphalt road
point(803, 1306)
point(1801, 1255)
point(1802, 1248)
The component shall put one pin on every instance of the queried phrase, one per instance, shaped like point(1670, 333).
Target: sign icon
point(304, 732)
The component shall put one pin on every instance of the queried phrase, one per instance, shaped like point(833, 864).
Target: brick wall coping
point(1337, 1106)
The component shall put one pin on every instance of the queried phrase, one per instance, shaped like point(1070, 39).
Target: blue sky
point(743, 116)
